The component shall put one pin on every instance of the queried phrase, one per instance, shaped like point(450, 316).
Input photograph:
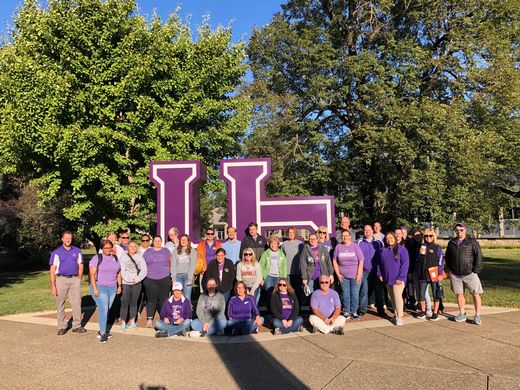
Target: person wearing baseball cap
point(464, 261)
point(175, 316)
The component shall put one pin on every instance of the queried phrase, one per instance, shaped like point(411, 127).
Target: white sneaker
point(399, 322)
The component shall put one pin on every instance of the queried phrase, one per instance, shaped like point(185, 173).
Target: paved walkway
point(371, 355)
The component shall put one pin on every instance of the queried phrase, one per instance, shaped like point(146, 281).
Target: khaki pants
point(324, 328)
point(72, 288)
point(396, 295)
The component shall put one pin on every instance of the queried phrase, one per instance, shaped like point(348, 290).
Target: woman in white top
point(249, 272)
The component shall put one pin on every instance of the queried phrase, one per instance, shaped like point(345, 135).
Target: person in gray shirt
point(211, 318)
point(184, 258)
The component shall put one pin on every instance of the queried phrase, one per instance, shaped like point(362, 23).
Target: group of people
point(234, 275)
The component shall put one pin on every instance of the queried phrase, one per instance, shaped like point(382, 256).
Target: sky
point(241, 15)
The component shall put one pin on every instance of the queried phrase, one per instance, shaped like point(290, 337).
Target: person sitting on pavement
point(464, 261)
point(285, 309)
point(430, 256)
point(175, 316)
point(243, 314)
point(392, 270)
point(211, 307)
point(105, 283)
point(326, 309)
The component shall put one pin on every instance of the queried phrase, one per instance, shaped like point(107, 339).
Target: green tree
point(405, 111)
point(91, 92)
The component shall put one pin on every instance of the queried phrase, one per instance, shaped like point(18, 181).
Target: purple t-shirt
point(210, 251)
point(326, 304)
point(348, 258)
point(286, 306)
point(317, 264)
point(107, 271)
point(66, 261)
point(157, 263)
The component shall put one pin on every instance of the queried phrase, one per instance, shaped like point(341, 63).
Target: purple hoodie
point(390, 268)
point(176, 309)
point(242, 310)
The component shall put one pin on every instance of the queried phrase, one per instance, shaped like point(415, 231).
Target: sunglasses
point(282, 284)
point(145, 240)
point(324, 282)
point(210, 234)
point(248, 254)
point(124, 238)
point(322, 232)
point(428, 235)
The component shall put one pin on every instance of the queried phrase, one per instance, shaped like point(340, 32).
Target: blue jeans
point(350, 295)
point(269, 285)
point(103, 302)
point(173, 329)
point(363, 293)
point(243, 326)
point(216, 327)
point(186, 290)
point(297, 322)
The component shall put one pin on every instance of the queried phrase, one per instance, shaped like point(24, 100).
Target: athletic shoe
point(99, 334)
point(429, 313)
point(122, 327)
point(461, 317)
point(277, 332)
point(476, 320)
point(300, 329)
point(421, 315)
point(79, 329)
point(133, 325)
point(61, 332)
point(434, 317)
point(339, 331)
point(183, 333)
point(161, 334)
point(202, 333)
point(314, 330)
point(354, 316)
point(393, 319)
point(347, 316)
point(399, 322)
point(103, 338)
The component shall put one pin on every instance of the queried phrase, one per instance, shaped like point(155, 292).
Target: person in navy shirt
point(66, 268)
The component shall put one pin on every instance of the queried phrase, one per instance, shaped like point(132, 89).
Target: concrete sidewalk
point(377, 355)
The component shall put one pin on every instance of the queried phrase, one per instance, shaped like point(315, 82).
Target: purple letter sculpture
point(178, 195)
point(178, 189)
point(247, 202)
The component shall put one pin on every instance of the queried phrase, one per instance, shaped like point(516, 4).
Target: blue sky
point(242, 14)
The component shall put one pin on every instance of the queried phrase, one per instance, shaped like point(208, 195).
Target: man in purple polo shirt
point(66, 268)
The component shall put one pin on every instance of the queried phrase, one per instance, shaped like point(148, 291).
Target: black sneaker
point(434, 317)
point(202, 333)
point(109, 335)
point(339, 331)
point(161, 334)
point(103, 338)
point(184, 333)
point(314, 330)
point(421, 315)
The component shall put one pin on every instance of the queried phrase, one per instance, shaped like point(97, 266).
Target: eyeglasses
point(248, 254)
point(210, 234)
point(324, 282)
point(428, 236)
point(145, 240)
point(282, 284)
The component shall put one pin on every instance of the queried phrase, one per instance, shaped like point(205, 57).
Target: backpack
point(100, 260)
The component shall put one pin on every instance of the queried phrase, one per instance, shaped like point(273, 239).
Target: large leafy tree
point(91, 92)
point(406, 111)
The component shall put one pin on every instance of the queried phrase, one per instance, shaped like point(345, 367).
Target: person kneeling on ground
point(285, 308)
point(326, 309)
point(175, 314)
point(243, 313)
point(210, 311)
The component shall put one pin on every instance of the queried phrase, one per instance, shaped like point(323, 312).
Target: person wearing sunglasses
point(207, 248)
point(145, 244)
point(324, 239)
point(464, 261)
point(430, 256)
point(392, 269)
point(326, 309)
point(285, 308)
point(273, 264)
point(124, 239)
point(249, 272)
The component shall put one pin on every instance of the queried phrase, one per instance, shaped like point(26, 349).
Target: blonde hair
point(432, 232)
point(253, 258)
point(324, 229)
point(274, 237)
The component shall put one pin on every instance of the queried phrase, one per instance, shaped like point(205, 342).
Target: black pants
point(296, 283)
point(129, 299)
point(157, 291)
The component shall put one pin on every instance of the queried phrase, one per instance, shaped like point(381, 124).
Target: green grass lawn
point(29, 292)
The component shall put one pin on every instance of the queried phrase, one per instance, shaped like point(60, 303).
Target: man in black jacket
point(464, 261)
point(254, 241)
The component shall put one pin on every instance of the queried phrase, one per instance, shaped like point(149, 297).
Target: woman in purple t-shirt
point(105, 283)
point(158, 281)
point(348, 264)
